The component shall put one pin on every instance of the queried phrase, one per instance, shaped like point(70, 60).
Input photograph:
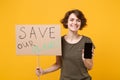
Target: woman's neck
point(72, 36)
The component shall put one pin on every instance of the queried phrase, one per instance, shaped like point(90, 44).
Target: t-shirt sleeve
point(89, 40)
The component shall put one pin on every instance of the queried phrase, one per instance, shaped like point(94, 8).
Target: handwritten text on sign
point(38, 39)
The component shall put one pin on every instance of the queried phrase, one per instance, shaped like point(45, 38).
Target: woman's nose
point(75, 22)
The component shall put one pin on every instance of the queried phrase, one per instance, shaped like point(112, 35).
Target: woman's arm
point(52, 68)
point(88, 62)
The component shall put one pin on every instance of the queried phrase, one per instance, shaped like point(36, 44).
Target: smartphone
point(88, 51)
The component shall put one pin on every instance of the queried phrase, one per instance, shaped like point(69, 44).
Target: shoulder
point(62, 37)
point(86, 37)
point(88, 40)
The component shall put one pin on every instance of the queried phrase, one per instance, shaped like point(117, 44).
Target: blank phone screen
point(88, 50)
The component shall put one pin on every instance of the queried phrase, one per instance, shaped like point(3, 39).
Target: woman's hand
point(88, 62)
point(54, 67)
point(83, 55)
point(39, 71)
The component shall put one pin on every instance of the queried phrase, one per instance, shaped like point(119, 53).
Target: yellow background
point(103, 27)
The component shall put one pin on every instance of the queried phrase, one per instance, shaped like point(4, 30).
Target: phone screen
point(88, 50)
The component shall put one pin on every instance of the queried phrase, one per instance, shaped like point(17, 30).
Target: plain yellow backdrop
point(103, 27)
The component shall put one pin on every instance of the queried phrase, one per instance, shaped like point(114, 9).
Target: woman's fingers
point(39, 71)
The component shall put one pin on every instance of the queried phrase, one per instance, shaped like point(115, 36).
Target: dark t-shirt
point(73, 67)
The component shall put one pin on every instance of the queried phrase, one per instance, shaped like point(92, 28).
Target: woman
point(72, 62)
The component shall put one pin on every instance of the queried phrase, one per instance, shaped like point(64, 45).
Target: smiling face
point(74, 23)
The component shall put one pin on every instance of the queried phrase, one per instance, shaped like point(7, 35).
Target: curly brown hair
point(79, 15)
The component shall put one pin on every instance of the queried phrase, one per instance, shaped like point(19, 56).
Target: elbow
point(58, 65)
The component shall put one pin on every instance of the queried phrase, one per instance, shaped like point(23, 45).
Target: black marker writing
point(50, 32)
point(43, 34)
point(33, 33)
point(24, 34)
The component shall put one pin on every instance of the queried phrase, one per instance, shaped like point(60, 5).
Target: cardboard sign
point(38, 40)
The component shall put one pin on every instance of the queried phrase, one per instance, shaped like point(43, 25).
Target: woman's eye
point(78, 20)
point(71, 19)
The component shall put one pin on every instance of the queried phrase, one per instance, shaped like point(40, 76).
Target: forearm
point(52, 68)
point(88, 62)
